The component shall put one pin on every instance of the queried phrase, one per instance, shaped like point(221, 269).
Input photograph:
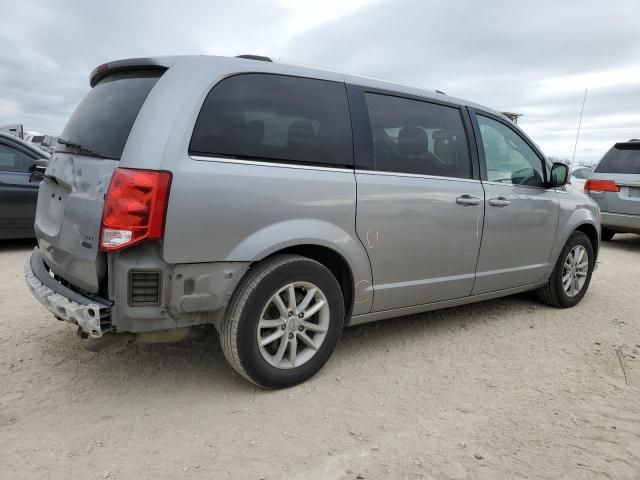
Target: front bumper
point(89, 314)
point(620, 222)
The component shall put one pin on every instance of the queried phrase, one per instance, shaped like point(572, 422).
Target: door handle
point(467, 200)
point(499, 202)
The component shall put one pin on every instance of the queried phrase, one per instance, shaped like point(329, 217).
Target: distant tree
point(566, 161)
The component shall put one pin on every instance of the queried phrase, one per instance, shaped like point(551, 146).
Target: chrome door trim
point(416, 175)
point(504, 184)
point(268, 163)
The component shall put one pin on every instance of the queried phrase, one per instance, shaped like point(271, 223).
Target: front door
point(420, 209)
point(521, 214)
point(18, 192)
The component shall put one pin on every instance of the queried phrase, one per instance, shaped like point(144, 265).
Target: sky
point(533, 58)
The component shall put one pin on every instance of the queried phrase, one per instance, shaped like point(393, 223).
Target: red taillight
point(601, 186)
point(134, 208)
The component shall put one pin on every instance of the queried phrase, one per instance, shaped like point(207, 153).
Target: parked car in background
point(21, 169)
point(212, 190)
point(579, 175)
point(615, 186)
point(17, 130)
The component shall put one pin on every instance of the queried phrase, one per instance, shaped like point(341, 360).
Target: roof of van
point(254, 63)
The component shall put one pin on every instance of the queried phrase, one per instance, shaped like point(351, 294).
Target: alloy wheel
point(575, 270)
point(293, 325)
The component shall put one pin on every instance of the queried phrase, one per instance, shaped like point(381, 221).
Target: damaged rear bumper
point(91, 315)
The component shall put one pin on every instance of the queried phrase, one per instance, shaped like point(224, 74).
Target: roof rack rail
point(260, 58)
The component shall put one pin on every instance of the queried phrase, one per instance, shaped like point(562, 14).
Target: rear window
point(103, 120)
point(623, 158)
point(275, 117)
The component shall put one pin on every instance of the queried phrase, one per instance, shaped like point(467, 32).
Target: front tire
point(283, 322)
point(571, 276)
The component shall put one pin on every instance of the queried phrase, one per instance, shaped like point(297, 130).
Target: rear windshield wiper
point(77, 146)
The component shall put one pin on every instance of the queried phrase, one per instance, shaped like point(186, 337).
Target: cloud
point(50, 49)
point(534, 59)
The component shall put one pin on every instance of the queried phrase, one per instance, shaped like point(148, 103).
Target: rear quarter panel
point(221, 211)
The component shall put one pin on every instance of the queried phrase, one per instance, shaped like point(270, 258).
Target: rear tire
point(561, 291)
point(607, 234)
point(266, 338)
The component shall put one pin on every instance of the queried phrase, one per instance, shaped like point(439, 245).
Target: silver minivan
point(282, 203)
point(615, 186)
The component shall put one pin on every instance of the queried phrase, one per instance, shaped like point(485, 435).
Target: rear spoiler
point(633, 145)
point(150, 63)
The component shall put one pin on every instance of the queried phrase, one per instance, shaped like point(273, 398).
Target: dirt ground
point(503, 389)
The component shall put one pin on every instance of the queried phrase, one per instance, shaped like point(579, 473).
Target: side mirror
point(38, 168)
point(559, 175)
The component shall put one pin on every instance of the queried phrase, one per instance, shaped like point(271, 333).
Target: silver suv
point(615, 186)
point(282, 203)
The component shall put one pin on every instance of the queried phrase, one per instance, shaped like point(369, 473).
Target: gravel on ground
point(507, 388)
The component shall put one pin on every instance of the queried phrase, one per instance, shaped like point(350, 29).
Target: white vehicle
point(579, 175)
point(16, 130)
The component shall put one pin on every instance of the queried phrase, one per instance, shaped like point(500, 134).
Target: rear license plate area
point(54, 209)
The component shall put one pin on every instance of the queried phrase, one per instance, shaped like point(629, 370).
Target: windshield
point(103, 120)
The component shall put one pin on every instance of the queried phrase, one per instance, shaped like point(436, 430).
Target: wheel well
point(591, 232)
point(336, 264)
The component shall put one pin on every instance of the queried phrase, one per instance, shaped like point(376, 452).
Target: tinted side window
point(12, 160)
point(621, 160)
point(276, 117)
point(508, 158)
point(411, 136)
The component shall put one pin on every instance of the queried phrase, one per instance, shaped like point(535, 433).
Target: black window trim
point(251, 159)
point(363, 134)
point(473, 112)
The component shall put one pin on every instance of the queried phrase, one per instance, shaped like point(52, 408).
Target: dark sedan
point(21, 168)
